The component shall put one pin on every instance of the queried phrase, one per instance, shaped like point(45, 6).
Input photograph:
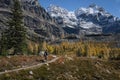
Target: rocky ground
point(70, 68)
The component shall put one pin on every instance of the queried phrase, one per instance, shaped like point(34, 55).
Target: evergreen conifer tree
point(15, 36)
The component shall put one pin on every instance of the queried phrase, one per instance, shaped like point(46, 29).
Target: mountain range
point(91, 20)
point(55, 21)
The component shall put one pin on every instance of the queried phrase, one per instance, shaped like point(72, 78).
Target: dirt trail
point(30, 67)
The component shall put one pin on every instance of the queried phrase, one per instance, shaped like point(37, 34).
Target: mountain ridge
point(56, 21)
point(93, 19)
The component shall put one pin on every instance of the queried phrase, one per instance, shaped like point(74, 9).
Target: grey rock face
point(36, 19)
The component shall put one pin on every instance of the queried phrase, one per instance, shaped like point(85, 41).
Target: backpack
point(45, 53)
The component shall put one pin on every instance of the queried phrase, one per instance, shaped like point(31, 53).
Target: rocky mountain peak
point(57, 10)
point(63, 16)
point(92, 9)
point(93, 5)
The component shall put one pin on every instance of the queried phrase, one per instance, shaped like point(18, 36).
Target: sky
point(112, 6)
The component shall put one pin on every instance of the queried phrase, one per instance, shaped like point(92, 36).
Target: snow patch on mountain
point(88, 25)
point(92, 9)
point(85, 10)
point(57, 11)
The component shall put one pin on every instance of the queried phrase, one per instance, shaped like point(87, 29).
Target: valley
point(53, 43)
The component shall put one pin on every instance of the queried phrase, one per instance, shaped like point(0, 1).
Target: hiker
point(45, 55)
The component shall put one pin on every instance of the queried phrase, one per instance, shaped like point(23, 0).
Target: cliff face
point(37, 21)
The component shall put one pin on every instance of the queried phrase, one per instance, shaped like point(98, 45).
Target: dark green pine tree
point(4, 44)
point(15, 36)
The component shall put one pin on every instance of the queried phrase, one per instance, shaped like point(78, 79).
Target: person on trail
point(45, 55)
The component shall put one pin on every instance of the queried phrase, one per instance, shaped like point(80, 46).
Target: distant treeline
point(104, 50)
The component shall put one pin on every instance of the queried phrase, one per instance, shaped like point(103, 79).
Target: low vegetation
point(15, 62)
point(70, 68)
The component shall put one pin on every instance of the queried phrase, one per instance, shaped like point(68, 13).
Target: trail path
point(30, 67)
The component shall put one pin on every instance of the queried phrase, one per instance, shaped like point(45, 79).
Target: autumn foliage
point(104, 50)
